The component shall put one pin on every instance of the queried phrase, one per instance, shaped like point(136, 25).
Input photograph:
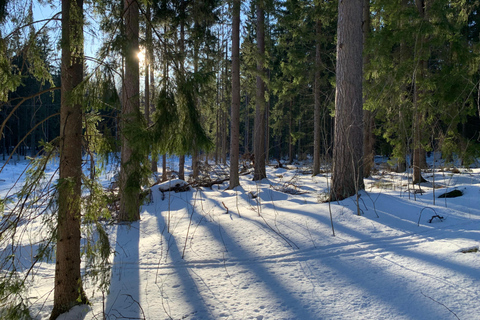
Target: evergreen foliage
point(423, 77)
point(445, 90)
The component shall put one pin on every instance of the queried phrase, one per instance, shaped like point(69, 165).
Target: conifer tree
point(131, 118)
point(368, 116)
point(68, 284)
point(259, 126)
point(317, 111)
point(235, 108)
point(347, 172)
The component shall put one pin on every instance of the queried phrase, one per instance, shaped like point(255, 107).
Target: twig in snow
point(441, 304)
point(373, 202)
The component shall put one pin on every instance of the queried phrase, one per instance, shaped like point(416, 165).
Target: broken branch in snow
point(441, 304)
point(225, 207)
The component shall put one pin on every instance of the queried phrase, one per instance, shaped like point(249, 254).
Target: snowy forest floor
point(266, 250)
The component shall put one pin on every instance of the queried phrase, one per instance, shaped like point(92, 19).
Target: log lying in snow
point(207, 183)
point(177, 185)
point(452, 194)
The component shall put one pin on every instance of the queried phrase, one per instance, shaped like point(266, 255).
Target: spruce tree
point(259, 126)
point(130, 177)
point(68, 284)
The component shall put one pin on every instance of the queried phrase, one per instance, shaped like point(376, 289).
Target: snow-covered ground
point(266, 251)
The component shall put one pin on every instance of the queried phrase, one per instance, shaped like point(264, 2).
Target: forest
point(122, 119)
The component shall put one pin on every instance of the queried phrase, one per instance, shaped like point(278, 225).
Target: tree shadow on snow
point(123, 301)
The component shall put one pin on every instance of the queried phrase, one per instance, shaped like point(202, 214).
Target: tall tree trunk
point(68, 290)
point(129, 177)
point(403, 132)
point(267, 131)
point(317, 110)
point(235, 109)
point(368, 116)
point(225, 137)
point(290, 134)
point(259, 127)
point(181, 160)
point(347, 175)
point(247, 123)
point(217, 126)
point(225, 110)
point(418, 151)
point(150, 79)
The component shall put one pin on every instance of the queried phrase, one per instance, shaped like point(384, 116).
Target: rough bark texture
point(235, 109)
point(181, 167)
point(347, 174)
point(259, 127)
point(129, 181)
point(68, 290)
point(317, 106)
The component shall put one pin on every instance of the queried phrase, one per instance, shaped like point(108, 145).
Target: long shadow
point(388, 284)
point(395, 244)
point(189, 285)
point(383, 286)
point(123, 301)
point(278, 291)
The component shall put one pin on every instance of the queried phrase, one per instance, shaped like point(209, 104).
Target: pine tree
point(347, 173)
point(235, 109)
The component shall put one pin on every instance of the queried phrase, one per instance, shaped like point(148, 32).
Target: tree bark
point(68, 290)
point(150, 79)
point(347, 174)
point(235, 109)
point(129, 179)
point(181, 160)
point(368, 116)
point(418, 150)
point(181, 167)
point(259, 127)
point(290, 133)
point(317, 106)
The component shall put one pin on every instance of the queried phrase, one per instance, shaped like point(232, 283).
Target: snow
point(266, 250)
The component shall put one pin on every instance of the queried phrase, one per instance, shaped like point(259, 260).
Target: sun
point(141, 56)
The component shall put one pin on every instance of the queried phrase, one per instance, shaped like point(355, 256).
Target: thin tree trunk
point(368, 116)
point(418, 151)
point(347, 174)
point(164, 167)
point(259, 139)
point(403, 132)
point(290, 134)
point(181, 160)
point(150, 80)
point(317, 106)
point(68, 290)
point(235, 109)
point(247, 123)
